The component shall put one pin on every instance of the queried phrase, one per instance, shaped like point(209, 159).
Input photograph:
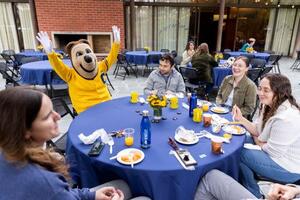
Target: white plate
point(126, 152)
point(201, 102)
point(183, 141)
point(234, 129)
point(220, 110)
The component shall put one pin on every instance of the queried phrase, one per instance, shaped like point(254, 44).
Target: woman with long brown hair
point(27, 170)
point(276, 132)
point(188, 53)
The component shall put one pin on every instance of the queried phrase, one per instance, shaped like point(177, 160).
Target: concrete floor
point(131, 83)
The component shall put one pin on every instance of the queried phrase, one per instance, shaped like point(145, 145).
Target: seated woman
point(276, 132)
point(188, 53)
point(238, 89)
point(204, 62)
point(250, 43)
point(27, 169)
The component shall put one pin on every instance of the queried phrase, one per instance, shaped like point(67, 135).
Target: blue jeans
point(260, 163)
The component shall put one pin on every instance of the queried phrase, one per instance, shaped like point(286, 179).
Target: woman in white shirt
point(188, 53)
point(276, 132)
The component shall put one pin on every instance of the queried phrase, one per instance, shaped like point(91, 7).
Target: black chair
point(273, 60)
point(269, 52)
point(152, 63)
point(248, 55)
point(28, 59)
point(165, 50)
point(227, 50)
point(10, 77)
point(258, 63)
point(28, 50)
point(174, 53)
point(296, 64)
point(61, 107)
point(106, 80)
point(266, 70)
point(8, 56)
point(254, 74)
point(122, 64)
point(57, 87)
point(141, 49)
point(190, 77)
point(177, 62)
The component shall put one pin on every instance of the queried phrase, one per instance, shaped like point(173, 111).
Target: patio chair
point(269, 52)
point(190, 77)
point(61, 107)
point(265, 70)
point(152, 63)
point(273, 60)
point(227, 50)
point(140, 49)
point(58, 88)
point(254, 74)
point(123, 64)
point(9, 76)
point(177, 61)
point(258, 63)
point(28, 50)
point(106, 80)
point(8, 56)
point(165, 50)
point(296, 64)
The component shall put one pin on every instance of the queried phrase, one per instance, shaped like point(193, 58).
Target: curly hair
point(187, 47)
point(281, 87)
point(19, 107)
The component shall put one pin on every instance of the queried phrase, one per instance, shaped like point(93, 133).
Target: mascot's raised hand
point(43, 38)
point(116, 33)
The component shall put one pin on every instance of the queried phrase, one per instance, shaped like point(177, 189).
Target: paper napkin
point(90, 139)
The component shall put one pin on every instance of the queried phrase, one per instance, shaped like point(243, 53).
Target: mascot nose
point(88, 59)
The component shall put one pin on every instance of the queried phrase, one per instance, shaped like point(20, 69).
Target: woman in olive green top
point(238, 89)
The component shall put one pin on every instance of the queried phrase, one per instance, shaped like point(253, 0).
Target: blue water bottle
point(145, 130)
point(193, 104)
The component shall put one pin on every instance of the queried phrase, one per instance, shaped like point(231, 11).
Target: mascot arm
point(110, 59)
point(63, 71)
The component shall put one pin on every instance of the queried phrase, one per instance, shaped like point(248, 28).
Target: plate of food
point(201, 102)
point(130, 156)
point(234, 129)
point(220, 110)
point(187, 138)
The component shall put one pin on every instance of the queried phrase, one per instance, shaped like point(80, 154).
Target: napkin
point(185, 105)
point(90, 139)
point(211, 136)
point(219, 120)
point(172, 152)
point(252, 146)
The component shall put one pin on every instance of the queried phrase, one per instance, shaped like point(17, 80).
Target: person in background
point(188, 53)
point(275, 134)
point(28, 170)
point(165, 80)
point(238, 89)
point(204, 63)
point(216, 185)
point(249, 43)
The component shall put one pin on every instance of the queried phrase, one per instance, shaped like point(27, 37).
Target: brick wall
point(80, 16)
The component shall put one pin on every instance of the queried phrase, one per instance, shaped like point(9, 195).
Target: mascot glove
point(116, 33)
point(43, 38)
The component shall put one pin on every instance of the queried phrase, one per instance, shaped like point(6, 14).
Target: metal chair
point(273, 60)
point(28, 50)
point(165, 50)
point(10, 77)
point(258, 63)
point(254, 74)
point(61, 107)
point(296, 64)
point(227, 50)
point(266, 70)
point(58, 88)
point(140, 49)
point(191, 79)
point(269, 52)
point(122, 63)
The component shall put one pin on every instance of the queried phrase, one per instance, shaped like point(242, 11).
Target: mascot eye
point(88, 51)
point(78, 54)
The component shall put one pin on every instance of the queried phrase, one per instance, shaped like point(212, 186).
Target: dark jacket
point(204, 63)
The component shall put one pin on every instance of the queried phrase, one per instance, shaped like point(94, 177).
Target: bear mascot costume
point(85, 78)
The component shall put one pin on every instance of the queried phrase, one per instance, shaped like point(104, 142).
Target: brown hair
point(243, 58)
point(167, 57)
point(19, 107)
point(203, 49)
point(70, 45)
point(281, 87)
point(187, 47)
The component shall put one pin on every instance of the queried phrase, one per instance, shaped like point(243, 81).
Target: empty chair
point(58, 88)
point(106, 80)
point(273, 60)
point(296, 64)
point(266, 70)
point(227, 50)
point(140, 49)
point(26, 59)
point(152, 62)
point(61, 107)
point(165, 50)
point(248, 55)
point(189, 76)
point(254, 74)
point(258, 63)
point(122, 64)
point(10, 77)
point(174, 53)
point(269, 52)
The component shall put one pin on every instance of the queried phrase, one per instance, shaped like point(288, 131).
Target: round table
point(38, 73)
point(40, 55)
point(256, 55)
point(143, 57)
point(159, 175)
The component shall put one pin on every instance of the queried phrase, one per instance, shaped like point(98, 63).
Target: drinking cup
point(216, 145)
point(134, 97)
point(174, 103)
point(197, 115)
point(206, 120)
point(129, 139)
point(205, 107)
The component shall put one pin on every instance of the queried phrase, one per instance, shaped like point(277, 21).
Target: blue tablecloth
point(159, 175)
point(219, 74)
point(256, 55)
point(38, 73)
point(40, 55)
point(142, 57)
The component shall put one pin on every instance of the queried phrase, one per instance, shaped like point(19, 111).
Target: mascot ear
point(84, 41)
point(69, 47)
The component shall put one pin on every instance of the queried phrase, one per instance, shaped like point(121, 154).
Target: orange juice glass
point(197, 115)
point(174, 103)
point(205, 107)
point(134, 97)
point(129, 139)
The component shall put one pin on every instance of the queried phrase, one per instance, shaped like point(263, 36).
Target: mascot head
point(83, 58)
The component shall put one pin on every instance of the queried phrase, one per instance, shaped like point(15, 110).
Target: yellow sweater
point(85, 93)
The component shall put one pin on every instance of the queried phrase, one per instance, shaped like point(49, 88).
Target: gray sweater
point(282, 136)
point(156, 81)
